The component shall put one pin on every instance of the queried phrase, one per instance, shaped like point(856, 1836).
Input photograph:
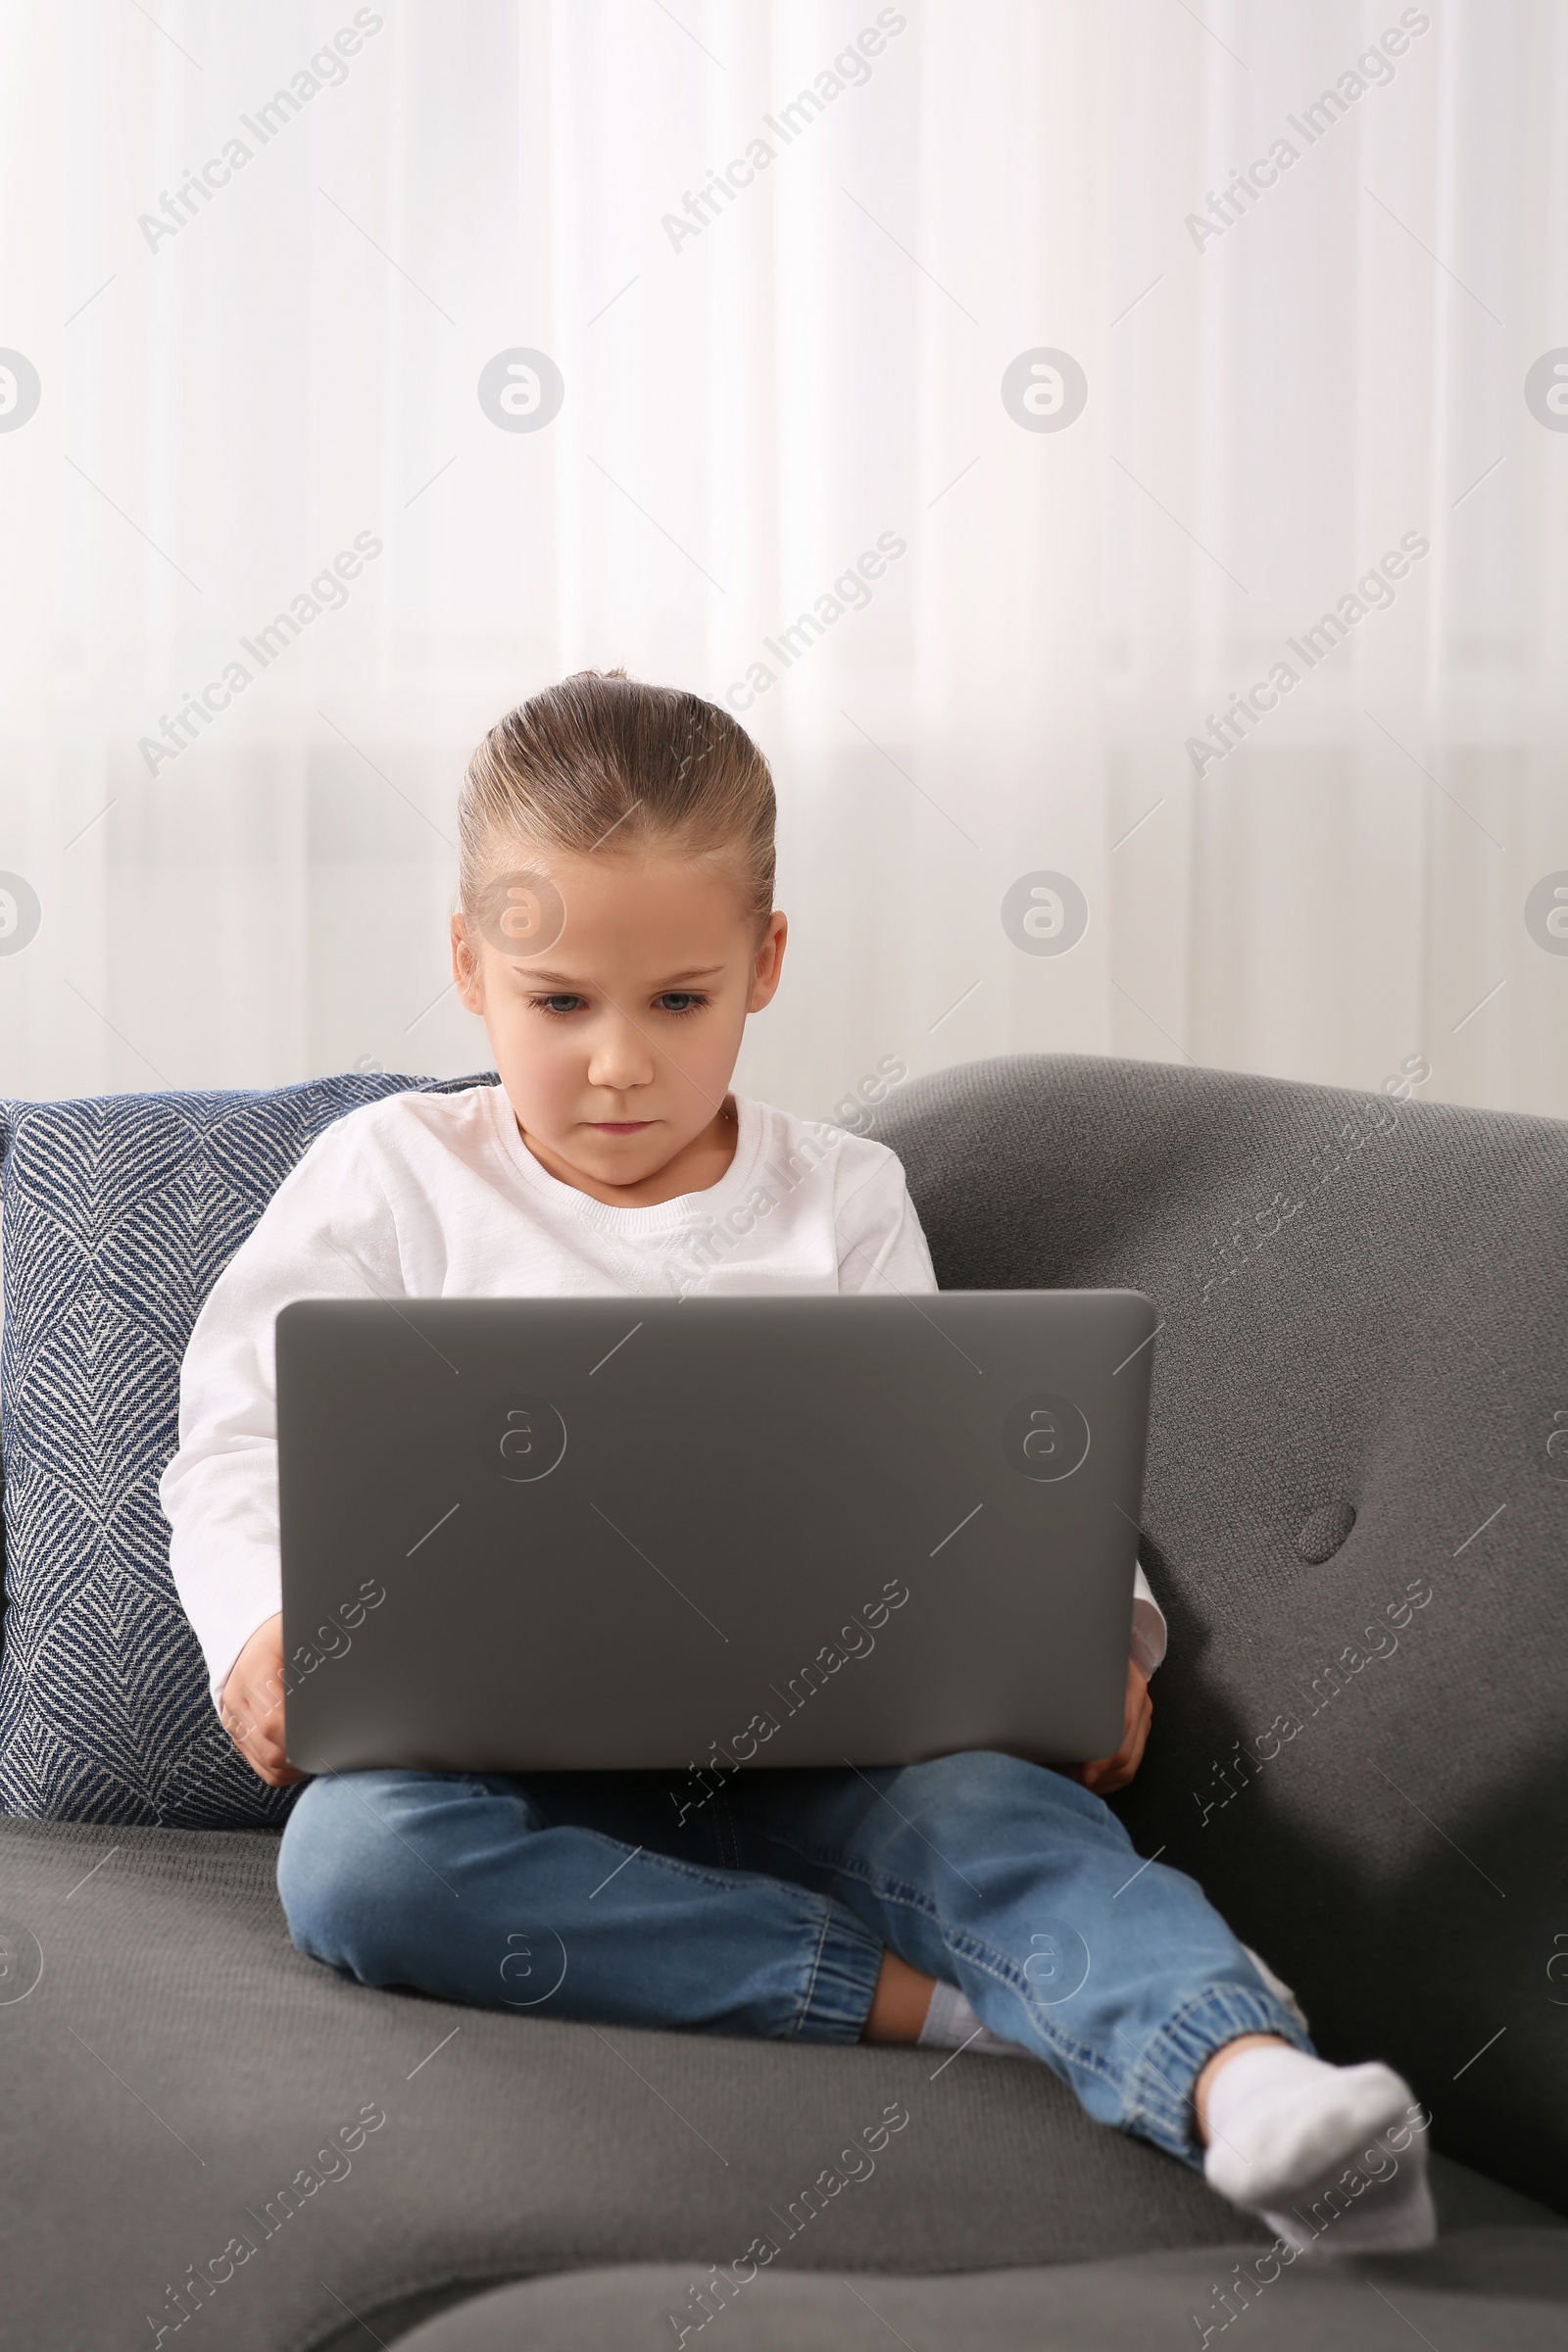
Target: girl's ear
point(466, 969)
point(769, 962)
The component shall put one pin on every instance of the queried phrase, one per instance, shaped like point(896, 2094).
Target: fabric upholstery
point(178, 2073)
point(1392, 1352)
point(120, 1213)
point(1474, 2293)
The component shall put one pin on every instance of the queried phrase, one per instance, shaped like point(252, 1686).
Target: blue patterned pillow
point(120, 1213)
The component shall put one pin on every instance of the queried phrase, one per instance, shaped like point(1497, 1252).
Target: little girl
point(617, 928)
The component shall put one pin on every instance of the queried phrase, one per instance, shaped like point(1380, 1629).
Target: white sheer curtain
point(753, 401)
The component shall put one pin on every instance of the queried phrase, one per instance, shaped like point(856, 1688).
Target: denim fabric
point(761, 1902)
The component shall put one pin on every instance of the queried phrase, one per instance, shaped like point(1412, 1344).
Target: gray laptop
point(574, 1533)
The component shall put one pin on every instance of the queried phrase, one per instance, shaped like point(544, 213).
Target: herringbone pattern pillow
point(120, 1213)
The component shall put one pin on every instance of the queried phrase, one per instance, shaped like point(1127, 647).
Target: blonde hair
point(602, 754)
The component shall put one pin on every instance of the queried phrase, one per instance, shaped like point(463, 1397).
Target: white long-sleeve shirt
point(437, 1196)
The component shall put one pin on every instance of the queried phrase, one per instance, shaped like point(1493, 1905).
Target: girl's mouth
point(618, 1126)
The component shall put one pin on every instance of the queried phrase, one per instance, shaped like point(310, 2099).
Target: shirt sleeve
point(1148, 1625)
point(328, 1232)
point(882, 1246)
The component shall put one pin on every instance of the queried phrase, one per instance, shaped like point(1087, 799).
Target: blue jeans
point(764, 1907)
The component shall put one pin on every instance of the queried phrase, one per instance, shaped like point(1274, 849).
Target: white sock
point(952, 2025)
point(1290, 2134)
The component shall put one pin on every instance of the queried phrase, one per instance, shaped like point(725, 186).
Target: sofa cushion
point(1471, 2293)
point(120, 1213)
point(202, 2123)
point(1351, 1518)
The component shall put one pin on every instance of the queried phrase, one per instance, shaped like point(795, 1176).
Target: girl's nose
point(619, 1057)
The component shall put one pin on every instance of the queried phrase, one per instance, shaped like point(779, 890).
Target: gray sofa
point(1360, 1749)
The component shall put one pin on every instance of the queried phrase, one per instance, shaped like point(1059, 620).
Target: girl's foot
point(1330, 2157)
point(907, 2006)
point(952, 2025)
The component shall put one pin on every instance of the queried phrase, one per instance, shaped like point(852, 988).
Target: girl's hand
point(1114, 1772)
point(251, 1708)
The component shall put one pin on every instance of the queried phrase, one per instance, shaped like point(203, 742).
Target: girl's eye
point(557, 1006)
point(678, 1000)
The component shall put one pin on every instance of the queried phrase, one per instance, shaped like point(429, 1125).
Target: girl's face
point(614, 989)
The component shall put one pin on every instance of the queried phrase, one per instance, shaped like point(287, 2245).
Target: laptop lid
point(569, 1534)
